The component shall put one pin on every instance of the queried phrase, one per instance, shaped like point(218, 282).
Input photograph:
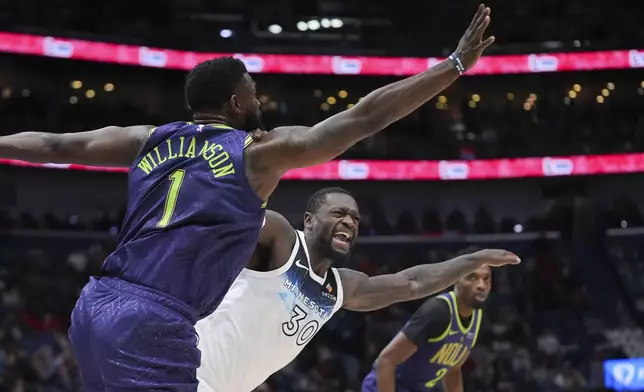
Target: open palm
point(471, 46)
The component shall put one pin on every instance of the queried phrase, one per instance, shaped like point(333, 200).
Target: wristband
point(460, 68)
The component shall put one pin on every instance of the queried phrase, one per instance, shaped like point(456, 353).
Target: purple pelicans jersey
point(191, 226)
point(192, 219)
point(439, 350)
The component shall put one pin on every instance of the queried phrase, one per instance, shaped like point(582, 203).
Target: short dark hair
point(318, 199)
point(211, 83)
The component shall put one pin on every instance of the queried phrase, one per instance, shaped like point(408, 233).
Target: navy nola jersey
point(192, 219)
point(443, 341)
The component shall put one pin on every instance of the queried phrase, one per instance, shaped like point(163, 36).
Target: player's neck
point(320, 265)
point(464, 311)
point(213, 118)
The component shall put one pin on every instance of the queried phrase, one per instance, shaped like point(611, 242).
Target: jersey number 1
point(176, 180)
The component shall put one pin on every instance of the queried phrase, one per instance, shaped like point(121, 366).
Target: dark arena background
point(539, 150)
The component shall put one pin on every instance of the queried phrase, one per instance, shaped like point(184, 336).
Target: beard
point(477, 304)
point(326, 250)
point(252, 121)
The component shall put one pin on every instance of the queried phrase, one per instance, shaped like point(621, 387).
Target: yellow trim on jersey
point(479, 315)
point(248, 141)
point(264, 203)
point(458, 316)
point(449, 325)
point(152, 131)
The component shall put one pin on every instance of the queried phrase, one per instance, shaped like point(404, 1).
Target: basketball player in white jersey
point(289, 291)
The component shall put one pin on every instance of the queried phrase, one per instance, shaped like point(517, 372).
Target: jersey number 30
point(176, 180)
point(292, 327)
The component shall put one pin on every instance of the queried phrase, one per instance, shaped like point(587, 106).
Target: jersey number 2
point(292, 327)
point(176, 180)
point(439, 376)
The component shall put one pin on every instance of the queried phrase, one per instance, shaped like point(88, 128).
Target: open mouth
point(341, 241)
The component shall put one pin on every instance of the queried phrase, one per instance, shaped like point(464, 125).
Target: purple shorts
point(127, 338)
point(370, 384)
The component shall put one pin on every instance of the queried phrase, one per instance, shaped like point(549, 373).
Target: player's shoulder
point(277, 236)
point(164, 131)
point(351, 279)
point(275, 219)
point(283, 137)
point(172, 126)
point(430, 321)
point(437, 306)
point(276, 225)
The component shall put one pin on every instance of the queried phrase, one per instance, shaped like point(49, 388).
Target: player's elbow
point(384, 363)
point(369, 113)
point(416, 290)
point(369, 120)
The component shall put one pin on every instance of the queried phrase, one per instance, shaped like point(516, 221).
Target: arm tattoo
point(428, 279)
point(51, 142)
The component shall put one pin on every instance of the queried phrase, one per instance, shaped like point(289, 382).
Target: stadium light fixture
point(275, 29)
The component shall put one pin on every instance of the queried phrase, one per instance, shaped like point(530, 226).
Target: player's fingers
point(480, 20)
point(512, 258)
point(478, 13)
point(480, 29)
point(483, 45)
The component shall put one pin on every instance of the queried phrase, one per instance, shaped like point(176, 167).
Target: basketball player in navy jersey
point(295, 283)
point(196, 200)
point(427, 354)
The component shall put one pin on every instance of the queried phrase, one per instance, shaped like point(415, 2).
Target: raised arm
point(364, 293)
point(290, 147)
point(109, 146)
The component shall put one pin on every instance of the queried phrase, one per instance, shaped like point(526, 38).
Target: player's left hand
point(495, 257)
point(471, 46)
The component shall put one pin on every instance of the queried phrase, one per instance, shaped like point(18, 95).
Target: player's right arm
point(292, 147)
point(109, 146)
point(275, 243)
point(431, 320)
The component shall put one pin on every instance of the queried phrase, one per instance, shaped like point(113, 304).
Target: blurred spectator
point(548, 343)
point(570, 379)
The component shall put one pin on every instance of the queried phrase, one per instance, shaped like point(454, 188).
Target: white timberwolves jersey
point(264, 321)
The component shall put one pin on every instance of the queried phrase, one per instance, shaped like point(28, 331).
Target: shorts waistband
point(146, 293)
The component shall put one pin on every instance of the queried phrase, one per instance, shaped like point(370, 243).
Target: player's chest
point(306, 297)
point(302, 313)
point(449, 352)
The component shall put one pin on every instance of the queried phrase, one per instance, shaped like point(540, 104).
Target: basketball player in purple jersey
point(197, 192)
point(427, 354)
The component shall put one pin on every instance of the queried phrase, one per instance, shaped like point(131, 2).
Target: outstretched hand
point(496, 257)
point(471, 46)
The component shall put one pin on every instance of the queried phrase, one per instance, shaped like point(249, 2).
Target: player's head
point(223, 87)
point(472, 289)
point(332, 218)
